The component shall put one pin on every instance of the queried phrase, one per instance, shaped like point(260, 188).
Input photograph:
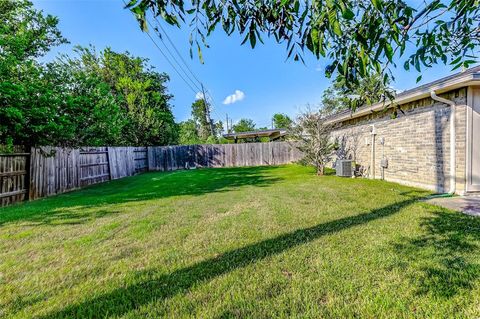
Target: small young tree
point(312, 136)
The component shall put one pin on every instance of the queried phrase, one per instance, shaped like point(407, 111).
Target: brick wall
point(416, 142)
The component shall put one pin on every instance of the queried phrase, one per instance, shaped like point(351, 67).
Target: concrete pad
point(469, 205)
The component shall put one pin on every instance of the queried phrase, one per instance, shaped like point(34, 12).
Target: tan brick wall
point(417, 143)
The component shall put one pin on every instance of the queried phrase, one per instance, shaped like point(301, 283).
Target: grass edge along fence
point(46, 171)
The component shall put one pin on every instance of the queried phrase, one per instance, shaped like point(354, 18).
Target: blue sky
point(270, 83)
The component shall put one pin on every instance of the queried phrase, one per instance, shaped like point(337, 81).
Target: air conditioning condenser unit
point(344, 168)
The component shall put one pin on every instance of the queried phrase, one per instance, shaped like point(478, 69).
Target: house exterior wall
point(416, 142)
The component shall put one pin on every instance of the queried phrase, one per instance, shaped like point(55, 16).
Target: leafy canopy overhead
point(357, 37)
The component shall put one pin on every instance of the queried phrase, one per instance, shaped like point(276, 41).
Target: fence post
point(149, 152)
point(32, 187)
point(28, 167)
point(109, 164)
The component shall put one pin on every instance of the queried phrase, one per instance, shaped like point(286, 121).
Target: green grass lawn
point(234, 243)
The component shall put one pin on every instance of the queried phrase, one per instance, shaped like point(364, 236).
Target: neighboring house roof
point(468, 77)
point(273, 134)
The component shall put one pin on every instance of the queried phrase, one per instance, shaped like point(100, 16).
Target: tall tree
point(26, 33)
point(201, 116)
point(92, 114)
point(244, 125)
point(201, 128)
point(369, 90)
point(91, 99)
point(28, 104)
point(357, 37)
point(188, 133)
point(142, 91)
point(282, 121)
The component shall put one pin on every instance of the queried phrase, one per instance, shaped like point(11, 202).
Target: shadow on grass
point(445, 256)
point(159, 287)
point(80, 206)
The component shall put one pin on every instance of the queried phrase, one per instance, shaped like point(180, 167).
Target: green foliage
point(282, 121)
point(93, 115)
point(358, 38)
point(211, 140)
point(244, 125)
point(368, 91)
point(200, 116)
point(219, 129)
point(29, 103)
point(92, 100)
point(198, 129)
point(223, 140)
point(26, 33)
point(142, 92)
point(188, 133)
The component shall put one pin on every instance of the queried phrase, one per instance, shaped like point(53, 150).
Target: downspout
point(453, 138)
point(372, 155)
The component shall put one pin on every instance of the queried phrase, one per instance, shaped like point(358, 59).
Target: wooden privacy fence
point(47, 171)
point(56, 170)
point(170, 158)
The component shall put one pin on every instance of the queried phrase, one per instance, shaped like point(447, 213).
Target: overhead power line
point(171, 64)
point(176, 50)
point(195, 82)
point(189, 77)
point(187, 67)
point(166, 57)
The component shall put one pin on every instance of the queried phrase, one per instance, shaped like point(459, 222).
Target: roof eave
point(456, 83)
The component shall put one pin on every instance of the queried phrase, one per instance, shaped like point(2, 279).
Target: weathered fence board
point(13, 178)
point(122, 161)
point(141, 159)
point(94, 166)
point(53, 170)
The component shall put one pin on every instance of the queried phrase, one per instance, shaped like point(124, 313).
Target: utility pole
point(228, 131)
point(207, 112)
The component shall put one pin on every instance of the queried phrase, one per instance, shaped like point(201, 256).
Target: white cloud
point(235, 97)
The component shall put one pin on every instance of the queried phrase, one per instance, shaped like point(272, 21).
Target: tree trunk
point(320, 170)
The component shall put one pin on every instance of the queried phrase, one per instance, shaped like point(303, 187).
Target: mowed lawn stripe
point(239, 242)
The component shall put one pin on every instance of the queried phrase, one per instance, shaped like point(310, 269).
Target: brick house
point(409, 140)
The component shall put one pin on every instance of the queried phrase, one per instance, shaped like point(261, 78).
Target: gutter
point(453, 138)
